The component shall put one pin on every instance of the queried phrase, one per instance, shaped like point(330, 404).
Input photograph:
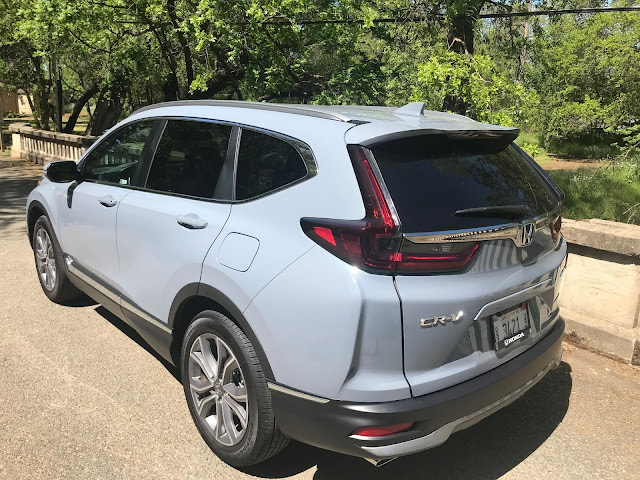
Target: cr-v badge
point(442, 320)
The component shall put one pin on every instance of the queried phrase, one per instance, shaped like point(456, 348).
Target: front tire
point(50, 264)
point(227, 392)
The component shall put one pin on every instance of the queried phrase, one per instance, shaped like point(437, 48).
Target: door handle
point(108, 201)
point(192, 221)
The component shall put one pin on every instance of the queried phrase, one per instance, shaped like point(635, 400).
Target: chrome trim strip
point(440, 435)
point(511, 231)
point(295, 393)
point(511, 300)
point(144, 315)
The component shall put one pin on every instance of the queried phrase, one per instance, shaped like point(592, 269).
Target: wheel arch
point(35, 210)
point(195, 298)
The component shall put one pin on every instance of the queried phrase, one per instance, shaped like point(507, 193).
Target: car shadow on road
point(135, 336)
point(487, 450)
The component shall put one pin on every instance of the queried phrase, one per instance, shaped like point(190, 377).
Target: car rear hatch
point(480, 251)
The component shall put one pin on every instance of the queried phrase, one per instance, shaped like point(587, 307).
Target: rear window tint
point(432, 176)
point(265, 163)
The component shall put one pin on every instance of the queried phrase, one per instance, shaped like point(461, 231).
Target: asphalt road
point(82, 396)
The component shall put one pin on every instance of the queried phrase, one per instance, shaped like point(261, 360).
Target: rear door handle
point(108, 201)
point(192, 221)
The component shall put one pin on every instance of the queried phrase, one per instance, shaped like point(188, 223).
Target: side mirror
point(61, 172)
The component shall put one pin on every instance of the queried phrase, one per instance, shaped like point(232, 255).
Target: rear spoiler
point(371, 134)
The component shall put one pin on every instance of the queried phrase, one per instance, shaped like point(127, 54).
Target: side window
point(116, 158)
point(189, 158)
point(265, 163)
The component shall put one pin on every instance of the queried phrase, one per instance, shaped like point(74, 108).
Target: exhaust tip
point(380, 462)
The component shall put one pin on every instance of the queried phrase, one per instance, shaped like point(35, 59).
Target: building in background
point(15, 102)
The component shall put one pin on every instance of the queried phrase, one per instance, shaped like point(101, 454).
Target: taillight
point(375, 243)
point(435, 257)
point(556, 226)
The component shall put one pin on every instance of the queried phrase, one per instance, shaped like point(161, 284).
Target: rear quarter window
point(430, 177)
point(266, 163)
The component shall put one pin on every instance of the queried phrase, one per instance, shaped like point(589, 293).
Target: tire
point(210, 336)
point(50, 265)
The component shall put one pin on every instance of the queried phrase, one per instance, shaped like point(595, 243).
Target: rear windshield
point(430, 177)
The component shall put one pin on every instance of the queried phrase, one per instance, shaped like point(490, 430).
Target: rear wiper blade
point(510, 211)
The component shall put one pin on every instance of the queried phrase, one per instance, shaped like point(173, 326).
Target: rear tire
point(50, 265)
point(227, 392)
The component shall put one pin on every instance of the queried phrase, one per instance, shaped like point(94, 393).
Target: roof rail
point(274, 107)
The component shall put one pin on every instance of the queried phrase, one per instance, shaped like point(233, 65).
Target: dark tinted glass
point(430, 177)
point(116, 158)
point(266, 163)
point(189, 158)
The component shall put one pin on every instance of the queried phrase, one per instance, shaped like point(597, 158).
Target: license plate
point(511, 326)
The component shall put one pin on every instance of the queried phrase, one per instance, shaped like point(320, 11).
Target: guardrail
point(40, 146)
point(600, 301)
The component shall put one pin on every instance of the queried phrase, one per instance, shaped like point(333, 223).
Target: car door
point(88, 214)
point(166, 227)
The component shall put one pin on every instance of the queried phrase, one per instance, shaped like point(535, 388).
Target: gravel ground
point(82, 396)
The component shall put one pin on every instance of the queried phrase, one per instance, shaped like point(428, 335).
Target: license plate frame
point(511, 327)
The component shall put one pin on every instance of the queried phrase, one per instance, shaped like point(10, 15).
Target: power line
point(560, 12)
point(482, 15)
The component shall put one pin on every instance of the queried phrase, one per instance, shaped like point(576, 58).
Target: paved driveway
point(82, 396)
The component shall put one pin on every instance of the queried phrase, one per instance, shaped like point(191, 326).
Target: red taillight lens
point(375, 243)
point(435, 257)
point(382, 431)
point(371, 243)
point(556, 226)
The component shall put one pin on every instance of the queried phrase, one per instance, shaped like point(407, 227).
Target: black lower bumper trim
point(329, 425)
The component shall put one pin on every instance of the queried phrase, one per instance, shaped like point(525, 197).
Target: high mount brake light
point(375, 243)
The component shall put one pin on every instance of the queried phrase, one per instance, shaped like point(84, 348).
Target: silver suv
point(364, 279)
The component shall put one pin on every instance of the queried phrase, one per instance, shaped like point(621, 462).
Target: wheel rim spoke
point(205, 404)
point(236, 408)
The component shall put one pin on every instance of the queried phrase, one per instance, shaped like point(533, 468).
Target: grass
point(581, 150)
point(610, 192)
point(530, 144)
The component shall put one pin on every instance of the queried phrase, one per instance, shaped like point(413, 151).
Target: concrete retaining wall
point(600, 300)
point(40, 146)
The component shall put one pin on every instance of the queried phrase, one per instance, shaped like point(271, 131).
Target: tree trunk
point(107, 111)
point(523, 54)
point(79, 105)
point(57, 94)
point(1, 124)
point(460, 40)
point(460, 34)
point(186, 50)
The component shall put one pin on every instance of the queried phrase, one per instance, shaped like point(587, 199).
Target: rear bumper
point(329, 424)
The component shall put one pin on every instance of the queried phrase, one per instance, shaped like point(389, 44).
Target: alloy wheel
point(45, 259)
point(218, 389)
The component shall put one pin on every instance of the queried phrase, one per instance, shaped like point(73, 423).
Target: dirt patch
point(561, 164)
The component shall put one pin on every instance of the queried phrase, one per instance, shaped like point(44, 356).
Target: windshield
point(431, 177)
